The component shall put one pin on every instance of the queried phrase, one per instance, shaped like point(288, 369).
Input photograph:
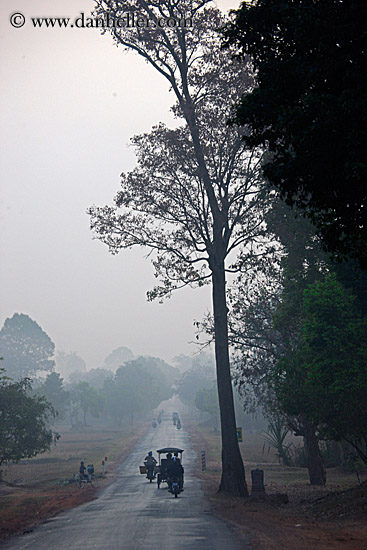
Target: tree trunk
point(233, 472)
point(315, 464)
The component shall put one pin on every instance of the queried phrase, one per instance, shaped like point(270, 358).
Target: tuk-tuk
point(161, 466)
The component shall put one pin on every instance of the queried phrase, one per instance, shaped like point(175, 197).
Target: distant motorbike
point(178, 424)
point(154, 424)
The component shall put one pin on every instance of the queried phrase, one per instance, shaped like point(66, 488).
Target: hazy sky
point(70, 101)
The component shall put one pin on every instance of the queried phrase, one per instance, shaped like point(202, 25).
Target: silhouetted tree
point(53, 390)
point(195, 196)
point(24, 419)
point(310, 109)
point(25, 347)
point(86, 399)
point(138, 386)
point(117, 358)
point(69, 363)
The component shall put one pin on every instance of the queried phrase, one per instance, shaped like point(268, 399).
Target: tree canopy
point(206, 400)
point(195, 198)
point(310, 109)
point(324, 376)
point(53, 390)
point(25, 347)
point(138, 386)
point(266, 320)
point(85, 398)
point(24, 430)
point(68, 363)
point(197, 378)
point(117, 358)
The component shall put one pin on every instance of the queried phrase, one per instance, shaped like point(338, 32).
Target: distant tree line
point(34, 397)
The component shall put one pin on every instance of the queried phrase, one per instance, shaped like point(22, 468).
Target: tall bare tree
point(196, 194)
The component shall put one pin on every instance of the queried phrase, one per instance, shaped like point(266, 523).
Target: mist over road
point(132, 514)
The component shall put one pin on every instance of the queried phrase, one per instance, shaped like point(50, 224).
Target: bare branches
point(196, 193)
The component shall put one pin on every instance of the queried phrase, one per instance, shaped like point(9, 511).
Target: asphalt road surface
point(133, 514)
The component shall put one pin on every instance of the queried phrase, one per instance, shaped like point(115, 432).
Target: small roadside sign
point(239, 434)
point(203, 460)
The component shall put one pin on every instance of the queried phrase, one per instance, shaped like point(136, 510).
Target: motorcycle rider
point(175, 469)
point(149, 463)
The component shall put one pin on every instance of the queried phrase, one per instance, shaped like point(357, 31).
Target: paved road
point(132, 514)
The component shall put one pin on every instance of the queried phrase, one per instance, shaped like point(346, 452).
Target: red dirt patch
point(313, 518)
point(274, 526)
point(23, 508)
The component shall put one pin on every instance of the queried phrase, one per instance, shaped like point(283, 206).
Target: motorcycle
point(178, 425)
point(175, 486)
point(150, 474)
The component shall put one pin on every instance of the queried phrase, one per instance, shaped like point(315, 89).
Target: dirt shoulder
point(322, 518)
point(22, 508)
point(25, 505)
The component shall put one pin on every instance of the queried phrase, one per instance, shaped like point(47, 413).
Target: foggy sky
point(70, 102)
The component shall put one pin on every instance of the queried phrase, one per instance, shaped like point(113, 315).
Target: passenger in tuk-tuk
point(165, 462)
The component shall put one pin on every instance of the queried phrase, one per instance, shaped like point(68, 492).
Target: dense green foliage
point(310, 109)
point(25, 347)
point(300, 337)
point(24, 418)
point(325, 375)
